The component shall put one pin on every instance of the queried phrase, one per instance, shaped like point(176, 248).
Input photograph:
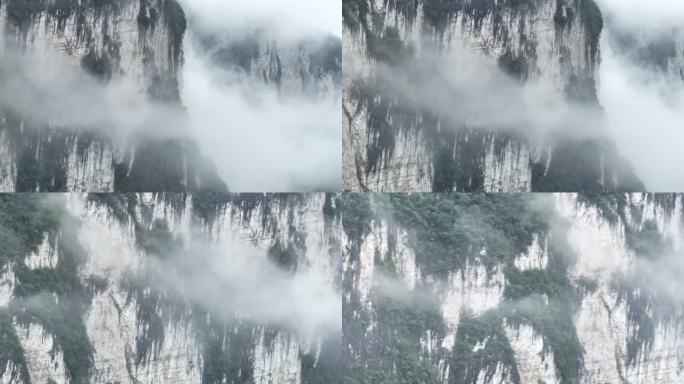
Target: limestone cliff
point(138, 41)
point(392, 145)
point(554, 289)
point(78, 257)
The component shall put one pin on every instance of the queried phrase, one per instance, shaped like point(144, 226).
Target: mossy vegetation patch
point(11, 351)
point(53, 298)
point(448, 232)
point(513, 65)
point(592, 19)
point(356, 215)
point(177, 24)
point(20, 12)
point(355, 14)
point(577, 165)
point(24, 221)
point(454, 229)
point(173, 164)
point(546, 300)
point(482, 347)
point(147, 15)
point(402, 319)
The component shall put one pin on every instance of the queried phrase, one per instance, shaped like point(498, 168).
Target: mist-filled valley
point(101, 96)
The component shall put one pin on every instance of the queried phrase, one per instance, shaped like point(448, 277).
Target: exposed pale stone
point(45, 360)
point(600, 255)
point(46, 256)
point(534, 362)
point(536, 256)
point(560, 54)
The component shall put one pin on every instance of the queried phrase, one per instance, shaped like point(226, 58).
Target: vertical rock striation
point(392, 145)
point(584, 298)
point(135, 333)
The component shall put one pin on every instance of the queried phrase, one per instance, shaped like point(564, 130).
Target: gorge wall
point(509, 289)
point(81, 302)
point(116, 42)
point(394, 144)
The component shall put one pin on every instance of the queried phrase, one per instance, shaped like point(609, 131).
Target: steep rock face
point(534, 361)
point(42, 360)
point(308, 67)
point(134, 41)
point(8, 170)
point(454, 296)
point(390, 145)
point(90, 170)
point(472, 317)
point(302, 68)
point(624, 343)
point(136, 334)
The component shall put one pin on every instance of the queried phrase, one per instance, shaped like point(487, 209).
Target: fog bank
point(640, 91)
point(259, 140)
point(261, 137)
point(235, 281)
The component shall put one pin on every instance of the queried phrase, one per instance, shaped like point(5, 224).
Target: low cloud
point(260, 136)
point(45, 88)
point(642, 95)
point(661, 276)
point(236, 281)
point(462, 87)
point(647, 125)
point(651, 16)
point(260, 140)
